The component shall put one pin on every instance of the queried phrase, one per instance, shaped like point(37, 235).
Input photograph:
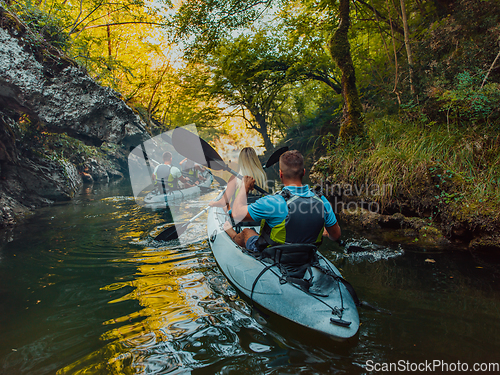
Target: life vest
point(291, 248)
point(304, 223)
point(236, 192)
point(165, 179)
point(193, 173)
point(190, 173)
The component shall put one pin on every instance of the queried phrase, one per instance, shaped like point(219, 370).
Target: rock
point(31, 184)
point(397, 227)
point(87, 178)
point(361, 217)
point(97, 170)
point(56, 180)
point(10, 209)
point(485, 242)
point(55, 95)
point(431, 236)
point(67, 99)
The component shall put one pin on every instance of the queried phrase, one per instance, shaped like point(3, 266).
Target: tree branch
point(491, 67)
point(396, 28)
point(123, 23)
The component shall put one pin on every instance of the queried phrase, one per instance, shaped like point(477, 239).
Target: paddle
point(166, 138)
point(221, 181)
point(275, 157)
point(175, 231)
point(185, 144)
point(143, 154)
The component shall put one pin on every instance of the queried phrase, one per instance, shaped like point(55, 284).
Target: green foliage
point(454, 55)
point(250, 73)
point(468, 104)
point(202, 25)
point(37, 141)
point(314, 123)
point(47, 27)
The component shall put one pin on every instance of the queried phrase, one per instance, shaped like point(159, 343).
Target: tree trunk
point(340, 50)
point(110, 51)
point(262, 129)
point(407, 45)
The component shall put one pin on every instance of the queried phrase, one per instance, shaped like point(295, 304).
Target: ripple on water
point(184, 321)
point(362, 250)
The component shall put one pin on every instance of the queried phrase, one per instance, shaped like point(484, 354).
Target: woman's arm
point(228, 193)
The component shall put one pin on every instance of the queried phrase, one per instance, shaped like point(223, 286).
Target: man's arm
point(153, 177)
point(240, 207)
point(176, 173)
point(333, 232)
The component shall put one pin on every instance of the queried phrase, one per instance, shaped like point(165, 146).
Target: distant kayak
point(172, 197)
point(324, 304)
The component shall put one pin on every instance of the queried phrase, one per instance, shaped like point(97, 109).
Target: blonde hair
point(250, 166)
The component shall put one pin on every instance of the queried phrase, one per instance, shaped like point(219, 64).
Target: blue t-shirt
point(273, 208)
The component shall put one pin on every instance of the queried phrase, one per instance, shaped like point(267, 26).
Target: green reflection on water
point(84, 290)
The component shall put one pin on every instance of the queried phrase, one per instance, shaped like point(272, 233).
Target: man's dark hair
point(167, 156)
point(292, 165)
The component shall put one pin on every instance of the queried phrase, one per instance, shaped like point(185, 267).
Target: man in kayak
point(295, 215)
point(192, 171)
point(167, 177)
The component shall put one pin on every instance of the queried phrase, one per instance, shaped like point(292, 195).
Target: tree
point(340, 49)
point(121, 46)
point(248, 74)
point(203, 24)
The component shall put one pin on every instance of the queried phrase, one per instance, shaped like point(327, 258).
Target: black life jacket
point(304, 223)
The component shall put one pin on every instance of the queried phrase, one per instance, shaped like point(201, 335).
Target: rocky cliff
point(42, 93)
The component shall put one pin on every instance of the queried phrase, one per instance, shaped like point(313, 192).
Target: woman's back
point(249, 165)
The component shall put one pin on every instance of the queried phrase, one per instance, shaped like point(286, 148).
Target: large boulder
point(39, 80)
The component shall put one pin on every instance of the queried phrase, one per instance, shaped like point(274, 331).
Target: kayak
point(327, 307)
point(177, 196)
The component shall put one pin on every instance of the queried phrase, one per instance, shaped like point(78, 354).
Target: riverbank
point(53, 170)
point(430, 176)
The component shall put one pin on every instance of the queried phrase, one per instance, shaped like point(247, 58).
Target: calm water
point(83, 289)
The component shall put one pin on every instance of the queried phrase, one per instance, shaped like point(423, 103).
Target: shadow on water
point(85, 289)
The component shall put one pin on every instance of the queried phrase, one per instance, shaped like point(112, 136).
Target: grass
point(449, 167)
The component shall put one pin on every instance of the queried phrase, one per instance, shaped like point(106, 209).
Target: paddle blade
point(275, 157)
point(194, 148)
point(220, 181)
point(172, 233)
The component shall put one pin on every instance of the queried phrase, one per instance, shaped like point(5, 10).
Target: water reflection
point(85, 289)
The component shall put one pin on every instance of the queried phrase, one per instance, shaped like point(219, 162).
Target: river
point(84, 290)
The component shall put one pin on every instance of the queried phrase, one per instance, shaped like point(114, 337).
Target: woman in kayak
point(249, 166)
